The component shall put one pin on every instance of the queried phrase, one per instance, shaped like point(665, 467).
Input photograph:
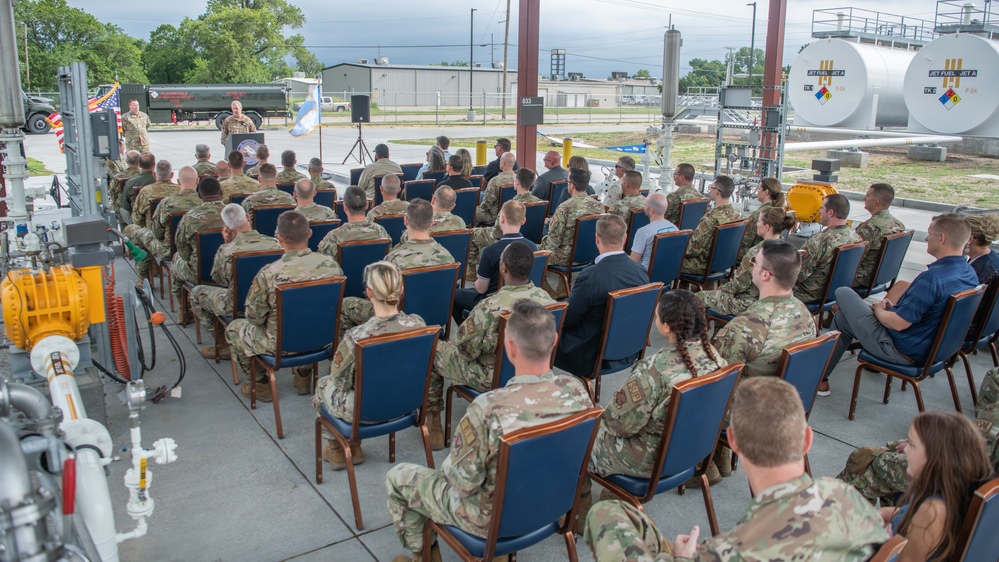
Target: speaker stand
point(363, 153)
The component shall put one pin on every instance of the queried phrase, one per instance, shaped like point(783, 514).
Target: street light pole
point(752, 48)
point(471, 63)
point(506, 45)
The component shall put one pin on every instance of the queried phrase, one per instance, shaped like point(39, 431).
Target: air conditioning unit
point(382, 61)
point(498, 65)
point(361, 61)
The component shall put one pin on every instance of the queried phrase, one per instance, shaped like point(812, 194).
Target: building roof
point(419, 67)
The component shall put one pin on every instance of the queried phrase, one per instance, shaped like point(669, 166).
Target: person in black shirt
point(454, 178)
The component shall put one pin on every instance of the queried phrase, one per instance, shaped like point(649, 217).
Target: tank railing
point(855, 21)
point(963, 14)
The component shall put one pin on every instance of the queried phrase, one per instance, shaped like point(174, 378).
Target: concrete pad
point(849, 158)
point(351, 549)
point(928, 153)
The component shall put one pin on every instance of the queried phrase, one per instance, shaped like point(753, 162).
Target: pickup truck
point(329, 105)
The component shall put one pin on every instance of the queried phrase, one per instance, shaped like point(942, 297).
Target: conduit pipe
point(860, 143)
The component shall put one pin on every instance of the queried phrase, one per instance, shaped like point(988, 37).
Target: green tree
point(703, 74)
point(59, 34)
point(642, 74)
point(169, 55)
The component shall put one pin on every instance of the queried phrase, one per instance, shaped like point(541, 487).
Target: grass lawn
point(943, 182)
point(37, 168)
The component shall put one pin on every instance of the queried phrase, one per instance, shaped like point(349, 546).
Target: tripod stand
point(362, 150)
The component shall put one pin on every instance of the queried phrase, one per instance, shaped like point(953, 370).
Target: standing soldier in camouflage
point(142, 209)
point(391, 204)
point(485, 236)
point(461, 492)
point(471, 355)
point(734, 297)
point(419, 251)
point(631, 197)
point(257, 332)
point(769, 193)
point(699, 247)
point(262, 154)
point(880, 473)
point(383, 287)
point(184, 263)
point(289, 174)
point(791, 517)
point(358, 227)
point(269, 194)
point(816, 262)
point(624, 164)
point(316, 175)
point(238, 182)
point(237, 123)
point(305, 193)
point(119, 180)
point(147, 165)
point(210, 301)
point(442, 201)
point(204, 165)
point(562, 226)
point(877, 200)
point(135, 128)
point(488, 209)
point(683, 177)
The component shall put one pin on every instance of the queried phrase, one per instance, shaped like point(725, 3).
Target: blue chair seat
point(477, 546)
point(912, 371)
point(971, 345)
point(297, 359)
point(637, 486)
point(712, 313)
point(576, 267)
point(864, 293)
point(813, 307)
point(468, 390)
point(702, 279)
point(368, 431)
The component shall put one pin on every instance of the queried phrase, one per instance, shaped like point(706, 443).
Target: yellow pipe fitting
point(43, 304)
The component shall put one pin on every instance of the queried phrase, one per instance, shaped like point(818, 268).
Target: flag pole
point(319, 108)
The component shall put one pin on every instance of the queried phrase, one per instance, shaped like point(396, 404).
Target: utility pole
point(506, 45)
point(471, 62)
point(27, 67)
point(752, 47)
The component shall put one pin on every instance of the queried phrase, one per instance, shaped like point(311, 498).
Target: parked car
point(329, 105)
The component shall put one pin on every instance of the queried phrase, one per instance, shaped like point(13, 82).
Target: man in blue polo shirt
point(904, 332)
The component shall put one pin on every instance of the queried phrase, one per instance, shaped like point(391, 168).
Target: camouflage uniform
point(233, 125)
point(255, 170)
point(184, 263)
point(461, 492)
point(699, 247)
point(757, 336)
point(443, 222)
point(117, 183)
point(675, 200)
point(389, 207)
point(750, 238)
point(377, 168)
point(613, 194)
point(469, 358)
point(337, 390)
point(631, 426)
point(485, 236)
point(127, 195)
point(134, 129)
point(874, 230)
point(205, 169)
point(160, 223)
point(816, 262)
point(289, 176)
point(562, 226)
point(738, 294)
point(315, 212)
point(348, 232)
point(116, 167)
point(238, 184)
point(879, 473)
point(267, 196)
point(803, 519)
point(624, 207)
point(257, 333)
point(414, 253)
point(142, 208)
point(208, 301)
point(489, 207)
point(320, 183)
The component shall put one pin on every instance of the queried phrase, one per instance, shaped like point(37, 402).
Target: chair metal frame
point(574, 266)
point(683, 206)
point(882, 251)
point(985, 494)
point(567, 525)
point(689, 279)
point(279, 344)
point(446, 326)
point(375, 241)
point(927, 368)
point(393, 217)
point(612, 297)
point(655, 248)
point(829, 291)
point(355, 423)
point(978, 337)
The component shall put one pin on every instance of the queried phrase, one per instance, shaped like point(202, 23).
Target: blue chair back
point(245, 266)
point(627, 323)
point(507, 192)
point(691, 212)
point(437, 176)
point(668, 250)
point(378, 189)
point(558, 187)
point(355, 175)
point(319, 231)
point(637, 220)
point(409, 171)
point(479, 170)
point(477, 181)
point(420, 189)
point(208, 242)
point(978, 539)
point(308, 315)
point(239, 198)
point(534, 224)
point(957, 319)
point(540, 265)
point(393, 224)
point(466, 200)
point(725, 248)
point(325, 197)
point(154, 204)
point(457, 243)
point(846, 260)
point(354, 256)
point(694, 419)
point(986, 321)
point(174, 225)
point(584, 245)
point(288, 188)
point(802, 364)
point(893, 250)
point(429, 292)
point(265, 217)
point(503, 370)
point(386, 388)
point(540, 472)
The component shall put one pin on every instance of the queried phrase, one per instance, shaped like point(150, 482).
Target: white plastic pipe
point(860, 143)
point(864, 132)
point(93, 502)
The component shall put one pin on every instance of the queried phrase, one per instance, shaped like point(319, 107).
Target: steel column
point(527, 78)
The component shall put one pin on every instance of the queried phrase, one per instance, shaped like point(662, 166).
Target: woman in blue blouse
point(982, 258)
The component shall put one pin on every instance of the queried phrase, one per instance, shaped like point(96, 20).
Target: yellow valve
point(43, 304)
point(805, 199)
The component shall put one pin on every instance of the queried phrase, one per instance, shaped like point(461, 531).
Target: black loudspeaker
point(360, 109)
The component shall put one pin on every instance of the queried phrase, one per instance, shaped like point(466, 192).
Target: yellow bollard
point(566, 151)
point(480, 153)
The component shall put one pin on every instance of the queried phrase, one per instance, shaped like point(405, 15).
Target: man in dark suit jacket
point(493, 168)
point(584, 319)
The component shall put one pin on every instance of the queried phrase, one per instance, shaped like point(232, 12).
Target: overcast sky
point(599, 36)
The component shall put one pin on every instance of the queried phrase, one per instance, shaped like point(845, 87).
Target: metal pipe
point(859, 143)
point(865, 132)
point(13, 469)
point(25, 399)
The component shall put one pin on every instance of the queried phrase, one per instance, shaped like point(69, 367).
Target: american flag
point(110, 100)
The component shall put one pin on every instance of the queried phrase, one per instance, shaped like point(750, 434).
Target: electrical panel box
point(104, 125)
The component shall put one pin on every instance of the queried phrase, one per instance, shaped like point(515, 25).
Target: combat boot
point(585, 504)
point(263, 391)
point(435, 555)
point(333, 453)
point(435, 430)
point(303, 383)
point(225, 353)
point(723, 460)
point(713, 477)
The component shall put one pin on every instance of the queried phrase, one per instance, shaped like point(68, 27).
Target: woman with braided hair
point(982, 258)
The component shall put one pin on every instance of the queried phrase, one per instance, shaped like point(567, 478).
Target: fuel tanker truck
point(172, 103)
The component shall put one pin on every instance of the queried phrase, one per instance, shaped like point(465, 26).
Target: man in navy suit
point(584, 319)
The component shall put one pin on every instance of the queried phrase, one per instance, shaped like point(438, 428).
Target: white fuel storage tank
point(839, 83)
point(951, 84)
